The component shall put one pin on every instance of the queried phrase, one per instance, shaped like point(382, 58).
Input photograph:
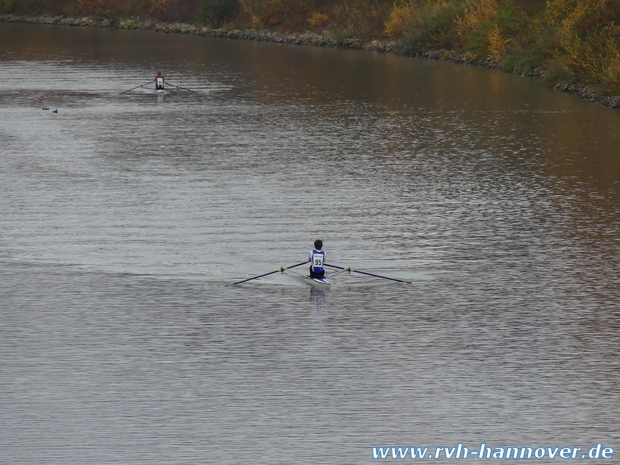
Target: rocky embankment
point(314, 39)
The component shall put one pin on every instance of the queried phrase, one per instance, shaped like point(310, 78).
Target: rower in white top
point(159, 81)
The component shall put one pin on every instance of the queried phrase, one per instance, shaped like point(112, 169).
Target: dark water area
point(125, 217)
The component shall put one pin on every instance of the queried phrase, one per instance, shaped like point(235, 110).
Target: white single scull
point(322, 282)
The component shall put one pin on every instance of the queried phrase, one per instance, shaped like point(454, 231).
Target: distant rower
point(159, 81)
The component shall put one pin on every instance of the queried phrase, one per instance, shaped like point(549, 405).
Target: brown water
point(125, 217)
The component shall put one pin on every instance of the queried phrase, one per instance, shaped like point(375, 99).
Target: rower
point(317, 259)
point(159, 81)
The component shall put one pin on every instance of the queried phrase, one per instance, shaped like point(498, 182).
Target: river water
point(125, 217)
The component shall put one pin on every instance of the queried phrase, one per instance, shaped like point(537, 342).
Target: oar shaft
point(260, 276)
point(179, 87)
point(337, 267)
point(271, 272)
point(379, 276)
point(368, 274)
point(141, 85)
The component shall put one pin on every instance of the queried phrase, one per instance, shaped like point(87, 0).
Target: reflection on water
point(126, 216)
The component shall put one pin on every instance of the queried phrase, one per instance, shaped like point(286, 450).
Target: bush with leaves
point(432, 25)
point(215, 13)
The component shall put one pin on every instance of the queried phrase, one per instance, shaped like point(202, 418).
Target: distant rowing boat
point(158, 90)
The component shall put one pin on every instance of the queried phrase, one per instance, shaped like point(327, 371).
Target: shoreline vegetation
point(571, 45)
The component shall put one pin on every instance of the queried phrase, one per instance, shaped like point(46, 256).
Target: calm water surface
point(126, 216)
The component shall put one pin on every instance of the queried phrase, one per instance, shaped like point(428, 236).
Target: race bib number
point(318, 260)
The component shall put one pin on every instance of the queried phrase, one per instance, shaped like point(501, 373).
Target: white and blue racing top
point(317, 259)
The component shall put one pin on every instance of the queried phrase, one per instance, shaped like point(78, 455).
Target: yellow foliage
point(569, 29)
point(318, 20)
point(477, 12)
point(588, 43)
point(253, 11)
point(497, 43)
point(400, 14)
point(611, 74)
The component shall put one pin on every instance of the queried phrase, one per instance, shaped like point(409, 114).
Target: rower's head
point(159, 73)
point(318, 244)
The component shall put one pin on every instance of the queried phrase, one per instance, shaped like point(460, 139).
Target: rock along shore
point(589, 93)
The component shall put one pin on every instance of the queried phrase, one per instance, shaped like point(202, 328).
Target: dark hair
point(318, 244)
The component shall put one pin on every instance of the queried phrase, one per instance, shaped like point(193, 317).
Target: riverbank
point(324, 39)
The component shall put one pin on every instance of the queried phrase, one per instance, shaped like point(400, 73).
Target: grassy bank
point(573, 45)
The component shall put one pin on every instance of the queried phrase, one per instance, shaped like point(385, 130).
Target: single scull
point(321, 283)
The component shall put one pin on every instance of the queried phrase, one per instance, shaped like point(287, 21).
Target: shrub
point(215, 13)
point(587, 40)
point(474, 18)
point(433, 25)
point(174, 10)
point(399, 17)
point(360, 19)
point(285, 14)
point(318, 20)
point(497, 43)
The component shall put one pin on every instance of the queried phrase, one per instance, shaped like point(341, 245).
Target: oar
point(280, 270)
point(368, 274)
point(179, 87)
point(141, 85)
